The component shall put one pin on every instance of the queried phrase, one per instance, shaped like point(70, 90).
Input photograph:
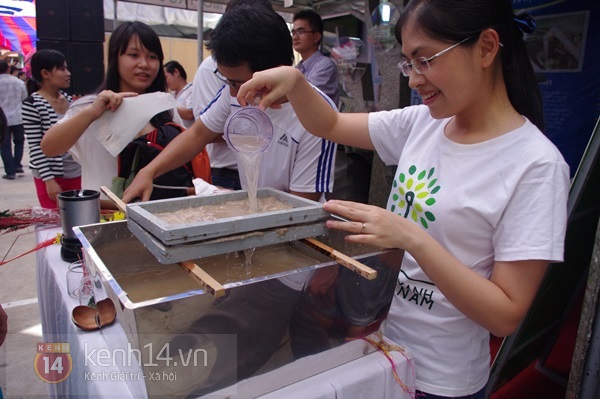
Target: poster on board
point(564, 54)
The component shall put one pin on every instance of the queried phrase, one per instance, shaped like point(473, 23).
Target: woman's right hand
point(270, 86)
point(108, 100)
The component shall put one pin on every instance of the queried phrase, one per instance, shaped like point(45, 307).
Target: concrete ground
point(18, 295)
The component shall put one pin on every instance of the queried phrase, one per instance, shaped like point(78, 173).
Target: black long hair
point(117, 45)
point(171, 66)
point(47, 59)
point(456, 20)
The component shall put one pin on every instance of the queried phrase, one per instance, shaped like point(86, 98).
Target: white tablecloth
point(55, 310)
point(370, 376)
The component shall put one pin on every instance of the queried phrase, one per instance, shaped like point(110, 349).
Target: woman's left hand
point(372, 225)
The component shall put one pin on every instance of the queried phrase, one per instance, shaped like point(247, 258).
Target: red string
point(386, 348)
point(41, 245)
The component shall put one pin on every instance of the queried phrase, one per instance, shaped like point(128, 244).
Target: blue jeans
point(12, 161)
point(477, 395)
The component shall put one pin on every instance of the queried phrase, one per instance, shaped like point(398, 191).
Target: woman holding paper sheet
point(135, 67)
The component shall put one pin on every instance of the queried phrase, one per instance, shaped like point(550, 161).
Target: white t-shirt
point(98, 166)
point(500, 200)
point(205, 89)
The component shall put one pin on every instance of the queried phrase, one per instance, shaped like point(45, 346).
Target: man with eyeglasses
point(307, 36)
point(206, 86)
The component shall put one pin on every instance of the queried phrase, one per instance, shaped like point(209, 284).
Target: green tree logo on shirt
point(413, 195)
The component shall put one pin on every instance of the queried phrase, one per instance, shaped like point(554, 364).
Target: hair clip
point(524, 22)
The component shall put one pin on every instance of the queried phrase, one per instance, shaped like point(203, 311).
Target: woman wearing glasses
point(478, 201)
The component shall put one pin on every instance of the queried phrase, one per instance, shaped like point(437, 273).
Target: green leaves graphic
point(413, 194)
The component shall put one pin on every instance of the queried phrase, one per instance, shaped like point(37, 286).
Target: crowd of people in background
point(41, 109)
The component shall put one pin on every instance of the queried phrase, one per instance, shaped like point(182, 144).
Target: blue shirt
point(321, 71)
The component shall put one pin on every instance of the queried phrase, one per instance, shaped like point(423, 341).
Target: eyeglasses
point(301, 31)
point(234, 84)
point(421, 64)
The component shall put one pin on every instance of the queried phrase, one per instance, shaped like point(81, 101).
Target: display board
point(563, 282)
point(564, 53)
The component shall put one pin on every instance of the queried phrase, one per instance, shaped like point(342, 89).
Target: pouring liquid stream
point(249, 133)
point(250, 159)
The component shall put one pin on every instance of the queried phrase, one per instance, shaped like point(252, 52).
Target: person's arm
point(62, 136)
point(498, 304)
point(186, 113)
point(180, 151)
point(311, 196)
point(23, 90)
point(312, 109)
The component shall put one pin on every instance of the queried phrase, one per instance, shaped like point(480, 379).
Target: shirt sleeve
point(205, 87)
point(389, 130)
point(533, 225)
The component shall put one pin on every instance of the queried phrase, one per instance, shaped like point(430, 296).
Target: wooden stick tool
point(114, 198)
point(342, 259)
point(205, 279)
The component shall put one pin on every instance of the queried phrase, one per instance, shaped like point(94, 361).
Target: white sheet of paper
point(117, 129)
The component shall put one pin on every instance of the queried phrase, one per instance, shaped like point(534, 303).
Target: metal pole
point(200, 31)
point(115, 19)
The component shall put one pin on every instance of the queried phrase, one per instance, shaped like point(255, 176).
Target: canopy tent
point(18, 26)
point(180, 18)
point(166, 21)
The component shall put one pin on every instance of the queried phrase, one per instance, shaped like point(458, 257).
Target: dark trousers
point(12, 160)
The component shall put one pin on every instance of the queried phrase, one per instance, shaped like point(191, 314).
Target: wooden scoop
point(106, 312)
point(86, 318)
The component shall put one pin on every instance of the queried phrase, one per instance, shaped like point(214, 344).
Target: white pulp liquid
point(248, 143)
point(250, 165)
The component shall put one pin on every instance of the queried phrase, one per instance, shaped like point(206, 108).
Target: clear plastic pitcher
point(249, 130)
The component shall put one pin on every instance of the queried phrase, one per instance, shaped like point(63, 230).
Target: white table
point(370, 376)
point(55, 311)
